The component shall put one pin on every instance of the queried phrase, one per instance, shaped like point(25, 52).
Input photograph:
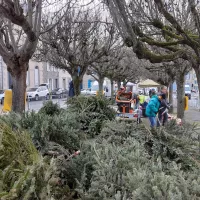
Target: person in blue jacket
point(152, 109)
point(71, 89)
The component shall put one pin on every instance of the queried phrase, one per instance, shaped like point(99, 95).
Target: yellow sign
point(7, 106)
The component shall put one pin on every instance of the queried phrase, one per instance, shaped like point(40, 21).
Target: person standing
point(141, 98)
point(162, 113)
point(152, 109)
point(150, 93)
point(136, 100)
point(71, 89)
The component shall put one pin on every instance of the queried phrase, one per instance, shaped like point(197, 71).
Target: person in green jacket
point(152, 109)
point(141, 98)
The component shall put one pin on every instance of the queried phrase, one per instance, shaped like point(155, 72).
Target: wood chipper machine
point(124, 101)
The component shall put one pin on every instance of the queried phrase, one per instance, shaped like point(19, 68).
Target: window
point(50, 84)
point(27, 78)
point(48, 67)
point(56, 83)
point(36, 76)
point(64, 83)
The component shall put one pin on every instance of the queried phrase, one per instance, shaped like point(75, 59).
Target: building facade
point(64, 79)
point(42, 72)
point(191, 80)
point(87, 81)
point(56, 78)
point(34, 75)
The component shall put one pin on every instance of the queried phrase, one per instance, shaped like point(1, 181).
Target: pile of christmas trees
point(39, 156)
point(129, 163)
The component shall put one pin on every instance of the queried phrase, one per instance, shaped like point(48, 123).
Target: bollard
point(186, 102)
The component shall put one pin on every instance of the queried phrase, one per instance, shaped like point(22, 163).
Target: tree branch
point(175, 24)
point(143, 52)
point(195, 14)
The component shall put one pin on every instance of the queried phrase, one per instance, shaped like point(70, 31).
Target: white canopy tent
point(148, 83)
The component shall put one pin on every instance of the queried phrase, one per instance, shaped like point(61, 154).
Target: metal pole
point(28, 103)
point(1, 64)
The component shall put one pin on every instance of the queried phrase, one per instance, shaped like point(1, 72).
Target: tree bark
point(180, 81)
point(19, 89)
point(100, 81)
point(112, 88)
point(118, 85)
point(124, 83)
point(77, 80)
point(197, 71)
point(171, 110)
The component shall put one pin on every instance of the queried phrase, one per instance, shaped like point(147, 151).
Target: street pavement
point(36, 105)
point(192, 115)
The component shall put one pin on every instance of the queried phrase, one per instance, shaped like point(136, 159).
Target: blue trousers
point(152, 121)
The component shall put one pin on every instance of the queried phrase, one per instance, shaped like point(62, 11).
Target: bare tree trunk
point(197, 71)
point(180, 95)
point(118, 85)
point(124, 83)
point(19, 89)
point(171, 100)
point(112, 88)
point(77, 80)
point(100, 81)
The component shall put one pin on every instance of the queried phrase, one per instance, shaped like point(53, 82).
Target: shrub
point(92, 112)
point(61, 128)
point(127, 172)
point(129, 164)
point(50, 108)
point(25, 174)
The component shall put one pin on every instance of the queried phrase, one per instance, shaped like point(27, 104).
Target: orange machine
point(124, 100)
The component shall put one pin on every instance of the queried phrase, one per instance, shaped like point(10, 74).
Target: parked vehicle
point(86, 91)
point(59, 93)
point(45, 84)
point(188, 91)
point(37, 93)
point(194, 91)
point(65, 92)
point(2, 95)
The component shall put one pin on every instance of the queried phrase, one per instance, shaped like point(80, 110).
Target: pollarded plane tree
point(171, 26)
point(78, 41)
point(125, 67)
point(20, 24)
point(103, 66)
point(166, 74)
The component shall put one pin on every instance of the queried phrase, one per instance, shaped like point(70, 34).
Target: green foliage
point(92, 111)
point(131, 164)
point(125, 161)
point(25, 174)
point(61, 128)
point(177, 143)
point(50, 108)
